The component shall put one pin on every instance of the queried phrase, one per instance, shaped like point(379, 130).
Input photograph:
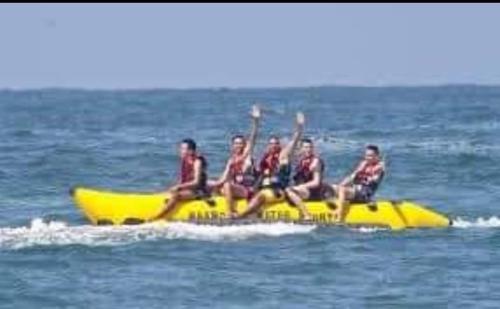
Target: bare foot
point(153, 219)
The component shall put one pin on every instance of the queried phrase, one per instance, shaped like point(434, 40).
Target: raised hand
point(301, 119)
point(256, 114)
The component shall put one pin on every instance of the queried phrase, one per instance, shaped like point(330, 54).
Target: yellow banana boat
point(102, 207)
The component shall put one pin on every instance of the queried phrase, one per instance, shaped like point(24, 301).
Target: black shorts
point(363, 194)
point(201, 192)
point(316, 194)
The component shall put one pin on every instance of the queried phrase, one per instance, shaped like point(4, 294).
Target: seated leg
point(168, 206)
point(171, 203)
point(344, 195)
point(227, 191)
point(297, 197)
point(253, 206)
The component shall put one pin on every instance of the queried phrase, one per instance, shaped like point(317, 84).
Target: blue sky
point(247, 45)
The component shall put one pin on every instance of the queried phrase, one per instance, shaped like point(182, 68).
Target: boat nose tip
point(72, 191)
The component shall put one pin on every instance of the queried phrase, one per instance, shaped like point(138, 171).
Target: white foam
point(492, 222)
point(369, 230)
point(41, 233)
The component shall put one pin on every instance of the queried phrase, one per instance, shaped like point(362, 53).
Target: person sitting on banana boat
point(239, 176)
point(192, 181)
point(308, 178)
point(274, 172)
point(361, 185)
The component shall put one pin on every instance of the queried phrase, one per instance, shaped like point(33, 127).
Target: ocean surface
point(441, 144)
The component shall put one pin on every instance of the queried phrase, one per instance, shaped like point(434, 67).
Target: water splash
point(56, 233)
point(491, 222)
point(369, 230)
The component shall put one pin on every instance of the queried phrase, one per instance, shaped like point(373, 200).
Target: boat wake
point(491, 222)
point(57, 233)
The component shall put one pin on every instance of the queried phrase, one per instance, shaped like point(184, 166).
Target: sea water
point(441, 145)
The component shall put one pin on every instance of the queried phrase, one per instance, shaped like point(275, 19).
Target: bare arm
point(287, 152)
point(378, 174)
point(225, 175)
point(350, 178)
point(253, 134)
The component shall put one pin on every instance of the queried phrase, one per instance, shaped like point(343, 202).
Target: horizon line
point(236, 88)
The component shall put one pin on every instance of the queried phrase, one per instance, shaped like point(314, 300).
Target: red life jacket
point(237, 163)
point(303, 172)
point(240, 173)
point(187, 168)
point(368, 171)
point(269, 164)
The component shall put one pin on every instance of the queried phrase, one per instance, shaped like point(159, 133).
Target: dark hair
point(307, 141)
point(235, 137)
point(373, 148)
point(190, 143)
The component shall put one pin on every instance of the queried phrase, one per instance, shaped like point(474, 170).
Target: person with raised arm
point(239, 176)
point(275, 171)
point(308, 178)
